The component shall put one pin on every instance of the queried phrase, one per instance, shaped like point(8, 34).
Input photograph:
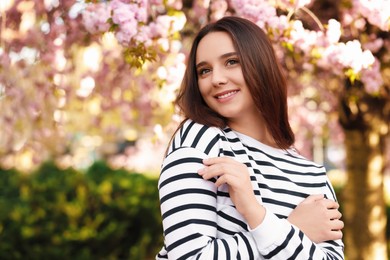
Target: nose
point(219, 77)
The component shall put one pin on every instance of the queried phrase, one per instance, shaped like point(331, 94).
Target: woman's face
point(220, 78)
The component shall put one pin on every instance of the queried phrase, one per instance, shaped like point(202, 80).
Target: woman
point(231, 186)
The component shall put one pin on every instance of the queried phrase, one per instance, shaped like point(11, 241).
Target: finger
point(331, 204)
point(214, 171)
point(313, 197)
point(215, 160)
point(334, 214)
point(335, 234)
point(337, 224)
point(207, 174)
point(221, 180)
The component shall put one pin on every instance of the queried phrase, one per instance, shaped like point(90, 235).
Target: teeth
point(227, 95)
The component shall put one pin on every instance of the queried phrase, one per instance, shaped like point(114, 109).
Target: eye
point(231, 62)
point(203, 71)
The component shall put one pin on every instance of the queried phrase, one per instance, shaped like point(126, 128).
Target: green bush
point(67, 214)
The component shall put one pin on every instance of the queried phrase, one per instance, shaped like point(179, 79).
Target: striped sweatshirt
point(201, 222)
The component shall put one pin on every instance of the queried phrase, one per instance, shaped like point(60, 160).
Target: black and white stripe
point(201, 222)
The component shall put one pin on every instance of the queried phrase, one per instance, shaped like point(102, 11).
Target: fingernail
point(201, 171)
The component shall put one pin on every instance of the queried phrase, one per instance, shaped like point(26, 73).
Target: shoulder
point(305, 166)
point(197, 136)
point(295, 156)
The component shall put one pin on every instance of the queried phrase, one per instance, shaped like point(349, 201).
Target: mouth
point(226, 94)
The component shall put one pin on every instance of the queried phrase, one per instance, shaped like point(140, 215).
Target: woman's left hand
point(236, 176)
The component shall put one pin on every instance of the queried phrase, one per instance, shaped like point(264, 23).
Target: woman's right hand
point(318, 218)
point(236, 176)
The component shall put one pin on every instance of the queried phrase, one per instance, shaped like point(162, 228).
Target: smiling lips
point(225, 95)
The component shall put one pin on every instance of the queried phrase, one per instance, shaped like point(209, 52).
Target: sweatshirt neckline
point(249, 141)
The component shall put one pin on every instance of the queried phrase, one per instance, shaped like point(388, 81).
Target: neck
point(255, 128)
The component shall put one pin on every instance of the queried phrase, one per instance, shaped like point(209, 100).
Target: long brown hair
point(262, 74)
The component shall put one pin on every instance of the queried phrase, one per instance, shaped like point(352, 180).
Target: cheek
point(202, 88)
point(205, 93)
point(238, 77)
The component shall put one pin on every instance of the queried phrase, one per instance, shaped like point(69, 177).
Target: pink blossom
point(360, 24)
point(127, 16)
point(163, 43)
point(156, 2)
point(279, 23)
point(367, 59)
point(176, 71)
point(178, 22)
point(374, 44)
point(165, 25)
point(176, 4)
point(259, 11)
point(293, 3)
point(200, 10)
point(302, 3)
point(218, 9)
point(347, 19)
point(334, 31)
point(160, 28)
point(141, 13)
point(377, 12)
point(371, 77)
point(144, 36)
point(304, 39)
point(343, 56)
point(127, 31)
point(121, 12)
point(95, 17)
point(5, 60)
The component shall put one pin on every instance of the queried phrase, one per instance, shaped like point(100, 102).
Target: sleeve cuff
point(271, 231)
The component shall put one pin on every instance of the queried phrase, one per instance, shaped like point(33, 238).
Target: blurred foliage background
point(56, 213)
point(86, 91)
point(97, 213)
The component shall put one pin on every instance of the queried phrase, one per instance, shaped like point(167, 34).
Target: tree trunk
point(365, 120)
point(364, 211)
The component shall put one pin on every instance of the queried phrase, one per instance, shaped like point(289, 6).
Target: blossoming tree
point(62, 87)
point(336, 57)
point(108, 70)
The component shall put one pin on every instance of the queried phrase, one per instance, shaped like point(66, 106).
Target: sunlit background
point(87, 81)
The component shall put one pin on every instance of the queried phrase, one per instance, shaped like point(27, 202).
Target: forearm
point(278, 239)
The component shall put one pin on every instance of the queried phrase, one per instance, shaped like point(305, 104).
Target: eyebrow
point(223, 56)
